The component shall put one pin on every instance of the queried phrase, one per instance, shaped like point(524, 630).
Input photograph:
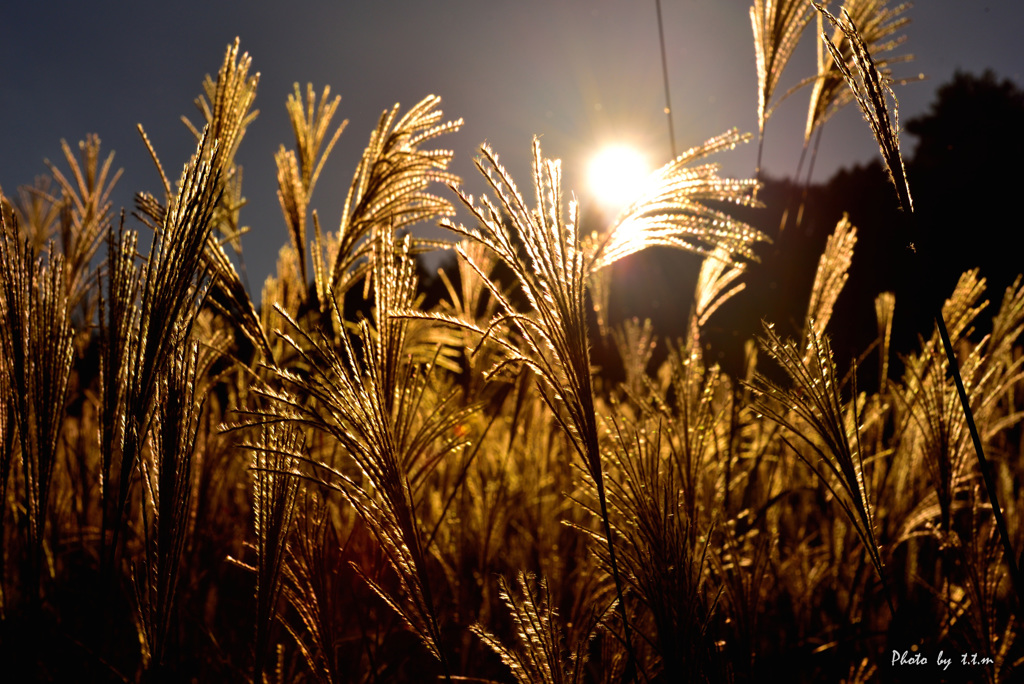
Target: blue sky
point(578, 73)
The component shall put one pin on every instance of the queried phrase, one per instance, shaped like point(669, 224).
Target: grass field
point(341, 479)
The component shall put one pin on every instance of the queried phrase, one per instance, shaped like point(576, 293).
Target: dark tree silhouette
point(965, 174)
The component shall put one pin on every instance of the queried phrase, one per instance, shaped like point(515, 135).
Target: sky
point(579, 74)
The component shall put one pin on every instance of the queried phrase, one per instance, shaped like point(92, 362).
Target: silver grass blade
point(276, 455)
point(543, 248)
point(814, 412)
point(877, 24)
point(539, 656)
point(87, 195)
point(1008, 323)
point(777, 26)
point(240, 309)
point(167, 485)
point(652, 489)
point(118, 348)
point(369, 403)
point(938, 426)
point(938, 423)
point(551, 275)
point(599, 285)
point(310, 128)
point(37, 210)
point(672, 211)
point(299, 169)
point(715, 283)
point(830, 278)
point(308, 588)
point(390, 189)
point(1016, 575)
point(226, 105)
point(983, 589)
point(468, 309)
point(171, 287)
point(284, 289)
point(885, 307)
point(869, 88)
point(227, 108)
point(36, 340)
point(959, 313)
point(294, 201)
point(635, 343)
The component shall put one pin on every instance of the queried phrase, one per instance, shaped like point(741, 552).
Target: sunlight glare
point(616, 175)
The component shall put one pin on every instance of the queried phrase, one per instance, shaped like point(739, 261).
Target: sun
point(616, 175)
